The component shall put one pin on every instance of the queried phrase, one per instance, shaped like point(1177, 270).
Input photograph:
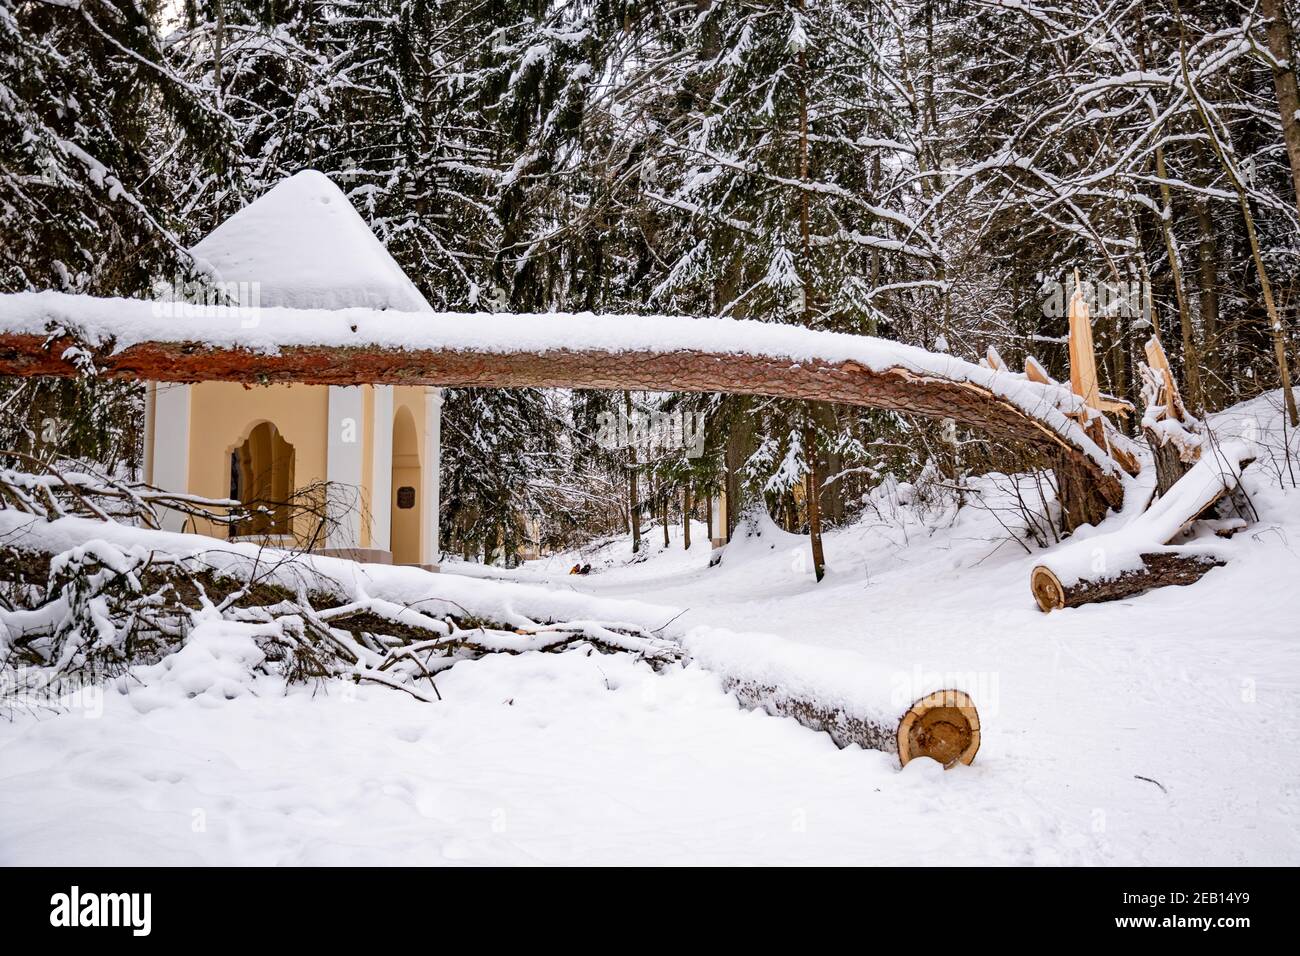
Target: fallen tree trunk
point(84, 607)
point(853, 700)
point(1135, 558)
point(1160, 569)
point(375, 637)
point(64, 335)
point(943, 725)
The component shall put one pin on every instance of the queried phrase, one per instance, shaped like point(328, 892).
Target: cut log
point(944, 725)
point(1161, 569)
point(1168, 460)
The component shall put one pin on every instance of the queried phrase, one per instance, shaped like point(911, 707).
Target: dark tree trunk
point(1281, 43)
point(633, 504)
point(812, 487)
point(686, 517)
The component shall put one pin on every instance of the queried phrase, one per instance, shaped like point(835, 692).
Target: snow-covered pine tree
point(96, 122)
point(783, 171)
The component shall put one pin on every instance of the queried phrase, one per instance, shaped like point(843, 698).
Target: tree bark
point(1281, 43)
point(944, 725)
point(1191, 357)
point(1169, 463)
point(664, 496)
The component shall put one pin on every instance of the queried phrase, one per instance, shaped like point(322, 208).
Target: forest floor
point(1160, 729)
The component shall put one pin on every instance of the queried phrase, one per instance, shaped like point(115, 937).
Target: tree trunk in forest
point(1168, 461)
point(1173, 446)
point(1191, 358)
point(738, 449)
point(1281, 43)
point(811, 493)
point(812, 485)
point(1208, 292)
point(1276, 332)
point(1079, 506)
point(708, 517)
point(633, 505)
point(686, 517)
point(218, 52)
point(832, 494)
point(666, 499)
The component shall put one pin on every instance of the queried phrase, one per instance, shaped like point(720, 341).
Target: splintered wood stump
point(943, 725)
point(1173, 458)
point(1162, 569)
point(1168, 459)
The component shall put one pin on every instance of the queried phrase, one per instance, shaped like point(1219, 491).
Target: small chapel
point(302, 245)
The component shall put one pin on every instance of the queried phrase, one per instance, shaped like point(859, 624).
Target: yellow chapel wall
point(223, 413)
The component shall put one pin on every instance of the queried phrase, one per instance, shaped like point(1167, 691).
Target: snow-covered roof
point(307, 248)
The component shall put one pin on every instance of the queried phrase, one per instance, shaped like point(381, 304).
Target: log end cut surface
point(1047, 589)
point(944, 726)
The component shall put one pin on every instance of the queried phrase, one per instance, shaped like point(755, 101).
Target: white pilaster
point(381, 470)
point(149, 389)
point(343, 462)
point(168, 454)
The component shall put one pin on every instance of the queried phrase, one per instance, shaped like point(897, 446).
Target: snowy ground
point(1156, 730)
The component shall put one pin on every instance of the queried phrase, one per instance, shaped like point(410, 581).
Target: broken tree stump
point(1174, 436)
